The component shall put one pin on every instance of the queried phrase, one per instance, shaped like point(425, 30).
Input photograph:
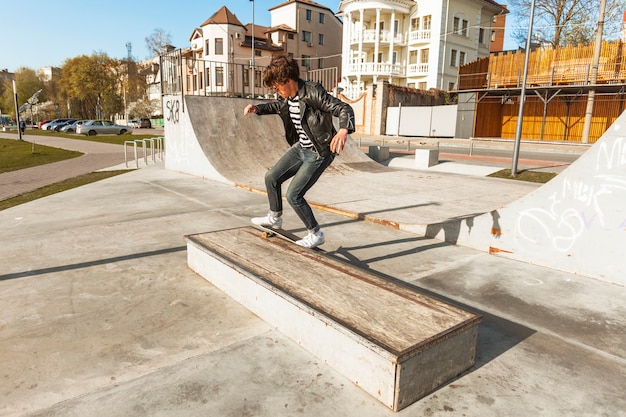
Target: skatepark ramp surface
point(575, 223)
point(239, 149)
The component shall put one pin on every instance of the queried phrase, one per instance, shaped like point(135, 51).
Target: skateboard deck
point(269, 232)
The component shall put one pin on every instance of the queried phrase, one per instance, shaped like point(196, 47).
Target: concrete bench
point(425, 158)
point(389, 339)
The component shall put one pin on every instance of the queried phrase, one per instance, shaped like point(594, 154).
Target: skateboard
point(269, 232)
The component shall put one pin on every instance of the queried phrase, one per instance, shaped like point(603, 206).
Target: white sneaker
point(312, 240)
point(268, 221)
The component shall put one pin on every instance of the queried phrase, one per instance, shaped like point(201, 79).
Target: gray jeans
point(305, 166)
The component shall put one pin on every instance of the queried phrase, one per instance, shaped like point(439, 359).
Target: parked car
point(56, 125)
point(141, 122)
point(101, 127)
point(46, 126)
point(40, 124)
point(71, 127)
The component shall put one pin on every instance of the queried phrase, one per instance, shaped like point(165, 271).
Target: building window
point(426, 20)
point(308, 14)
point(493, 36)
point(258, 78)
point(481, 36)
point(464, 31)
point(415, 24)
point(290, 36)
point(320, 39)
point(306, 62)
point(219, 46)
point(208, 77)
point(451, 86)
point(257, 52)
point(320, 63)
point(246, 78)
point(424, 56)
point(422, 85)
point(219, 76)
point(322, 18)
point(206, 46)
point(453, 58)
point(413, 57)
point(461, 58)
point(306, 36)
point(456, 24)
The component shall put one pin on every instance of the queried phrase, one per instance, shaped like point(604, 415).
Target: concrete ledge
point(379, 153)
point(393, 342)
point(425, 158)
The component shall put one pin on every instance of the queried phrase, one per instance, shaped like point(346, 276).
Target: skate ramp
point(240, 149)
point(574, 223)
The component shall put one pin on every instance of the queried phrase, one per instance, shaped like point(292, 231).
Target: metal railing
point(156, 150)
point(198, 77)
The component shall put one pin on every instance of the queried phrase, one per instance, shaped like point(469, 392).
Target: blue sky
point(37, 33)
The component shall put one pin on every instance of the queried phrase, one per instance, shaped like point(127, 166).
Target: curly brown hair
point(281, 69)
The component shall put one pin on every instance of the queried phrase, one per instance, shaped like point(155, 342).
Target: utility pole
point(594, 73)
point(252, 60)
point(522, 97)
point(17, 111)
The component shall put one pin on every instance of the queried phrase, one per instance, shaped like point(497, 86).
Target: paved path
point(96, 156)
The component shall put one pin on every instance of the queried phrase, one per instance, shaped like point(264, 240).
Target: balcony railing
point(418, 69)
point(373, 68)
point(419, 36)
point(383, 36)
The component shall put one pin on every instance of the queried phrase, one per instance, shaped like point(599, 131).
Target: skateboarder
point(306, 110)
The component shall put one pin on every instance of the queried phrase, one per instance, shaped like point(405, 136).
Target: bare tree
point(157, 41)
point(566, 22)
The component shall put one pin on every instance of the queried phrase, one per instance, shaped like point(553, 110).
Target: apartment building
point(413, 43)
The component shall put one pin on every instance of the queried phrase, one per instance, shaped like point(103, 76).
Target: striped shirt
point(294, 113)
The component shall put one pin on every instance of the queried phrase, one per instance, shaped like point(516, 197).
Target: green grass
point(58, 187)
point(114, 139)
point(15, 154)
point(530, 176)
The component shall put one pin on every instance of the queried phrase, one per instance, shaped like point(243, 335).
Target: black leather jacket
point(317, 109)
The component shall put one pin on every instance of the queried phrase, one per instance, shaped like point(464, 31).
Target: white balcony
point(418, 69)
point(383, 36)
point(373, 68)
point(419, 36)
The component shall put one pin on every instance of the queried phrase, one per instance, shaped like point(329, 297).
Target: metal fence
point(189, 76)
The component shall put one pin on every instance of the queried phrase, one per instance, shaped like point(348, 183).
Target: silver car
point(71, 128)
point(101, 127)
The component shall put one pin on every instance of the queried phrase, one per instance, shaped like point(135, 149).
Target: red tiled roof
point(223, 16)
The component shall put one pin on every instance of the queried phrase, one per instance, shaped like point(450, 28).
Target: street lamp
point(522, 99)
point(252, 60)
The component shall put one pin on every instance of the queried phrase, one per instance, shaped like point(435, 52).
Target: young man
point(307, 111)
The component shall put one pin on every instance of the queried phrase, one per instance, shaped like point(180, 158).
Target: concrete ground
point(102, 316)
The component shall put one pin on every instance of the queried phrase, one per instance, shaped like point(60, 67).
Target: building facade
point(222, 48)
point(413, 43)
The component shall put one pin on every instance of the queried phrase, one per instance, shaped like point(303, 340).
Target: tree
point(92, 85)
point(157, 41)
point(26, 84)
point(566, 22)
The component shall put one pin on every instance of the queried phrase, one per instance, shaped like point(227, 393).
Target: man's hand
point(250, 108)
point(339, 141)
